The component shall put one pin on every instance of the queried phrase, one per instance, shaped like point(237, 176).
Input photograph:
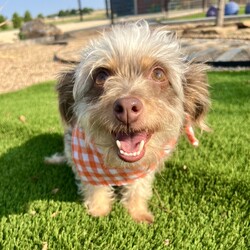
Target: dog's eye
point(158, 75)
point(101, 77)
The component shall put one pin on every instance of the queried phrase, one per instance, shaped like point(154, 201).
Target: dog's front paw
point(98, 210)
point(98, 200)
point(142, 216)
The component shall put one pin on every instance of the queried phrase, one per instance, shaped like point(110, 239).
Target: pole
point(112, 12)
point(80, 10)
point(107, 8)
point(220, 13)
point(204, 5)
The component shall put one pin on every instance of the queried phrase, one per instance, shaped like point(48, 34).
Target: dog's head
point(131, 93)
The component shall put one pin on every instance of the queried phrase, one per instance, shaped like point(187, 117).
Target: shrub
point(61, 13)
point(73, 12)
point(40, 16)
point(27, 16)
point(16, 20)
point(87, 10)
point(3, 25)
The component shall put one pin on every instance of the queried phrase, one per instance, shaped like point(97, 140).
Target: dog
point(124, 106)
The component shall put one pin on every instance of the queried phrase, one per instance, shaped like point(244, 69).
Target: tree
point(27, 16)
point(3, 22)
point(61, 13)
point(87, 10)
point(73, 12)
point(67, 13)
point(40, 16)
point(220, 13)
point(16, 20)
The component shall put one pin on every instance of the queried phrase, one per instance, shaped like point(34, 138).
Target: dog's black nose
point(127, 109)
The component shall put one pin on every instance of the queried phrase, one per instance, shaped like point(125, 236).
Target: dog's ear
point(196, 94)
point(65, 95)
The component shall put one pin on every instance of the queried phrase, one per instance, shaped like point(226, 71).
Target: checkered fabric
point(190, 132)
point(90, 167)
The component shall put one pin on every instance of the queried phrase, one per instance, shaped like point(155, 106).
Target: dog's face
point(131, 93)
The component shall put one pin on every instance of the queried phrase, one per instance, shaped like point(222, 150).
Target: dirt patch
point(240, 30)
point(221, 38)
point(23, 65)
point(71, 53)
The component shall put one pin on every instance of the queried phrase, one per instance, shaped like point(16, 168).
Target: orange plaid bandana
point(89, 164)
point(188, 129)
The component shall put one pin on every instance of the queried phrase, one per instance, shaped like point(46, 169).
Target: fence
point(136, 7)
point(121, 8)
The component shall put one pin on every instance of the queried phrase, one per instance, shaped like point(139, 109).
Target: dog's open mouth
point(131, 146)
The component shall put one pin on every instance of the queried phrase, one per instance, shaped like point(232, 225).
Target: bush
point(27, 16)
point(40, 16)
point(73, 12)
point(3, 25)
point(16, 20)
point(87, 10)
point(61, 13)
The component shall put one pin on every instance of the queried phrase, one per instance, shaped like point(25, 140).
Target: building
point(135, 7)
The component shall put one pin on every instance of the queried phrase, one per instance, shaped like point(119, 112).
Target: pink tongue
point(130, 142)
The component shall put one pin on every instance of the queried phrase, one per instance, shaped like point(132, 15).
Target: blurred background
point(37, 39)
point(14, 13)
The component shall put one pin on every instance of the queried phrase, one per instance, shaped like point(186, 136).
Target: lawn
point(203, 194)
point(203, 15)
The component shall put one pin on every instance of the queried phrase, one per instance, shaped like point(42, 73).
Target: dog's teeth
point(141, 145)
point(118, 143)
point(130, 154)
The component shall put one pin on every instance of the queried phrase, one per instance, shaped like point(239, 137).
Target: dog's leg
point(98, 199)
point(135, 199)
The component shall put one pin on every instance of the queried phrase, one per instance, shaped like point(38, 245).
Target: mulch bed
point(23, 64)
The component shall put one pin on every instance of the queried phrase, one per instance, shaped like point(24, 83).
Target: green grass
point(76, 19)
point(203, 15)
point(96, 15)
point(205, 206)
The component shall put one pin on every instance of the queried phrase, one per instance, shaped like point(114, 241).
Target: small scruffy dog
point(124, 107)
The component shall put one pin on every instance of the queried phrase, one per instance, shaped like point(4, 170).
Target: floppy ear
point(196, 94)
point(65, 95)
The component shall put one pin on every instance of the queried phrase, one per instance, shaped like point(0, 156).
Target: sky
point(46, 7)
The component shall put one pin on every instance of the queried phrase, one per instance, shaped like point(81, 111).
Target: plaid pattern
point(90, 167)
point(190, 132)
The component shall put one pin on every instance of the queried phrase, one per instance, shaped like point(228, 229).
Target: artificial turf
point(202, 199)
